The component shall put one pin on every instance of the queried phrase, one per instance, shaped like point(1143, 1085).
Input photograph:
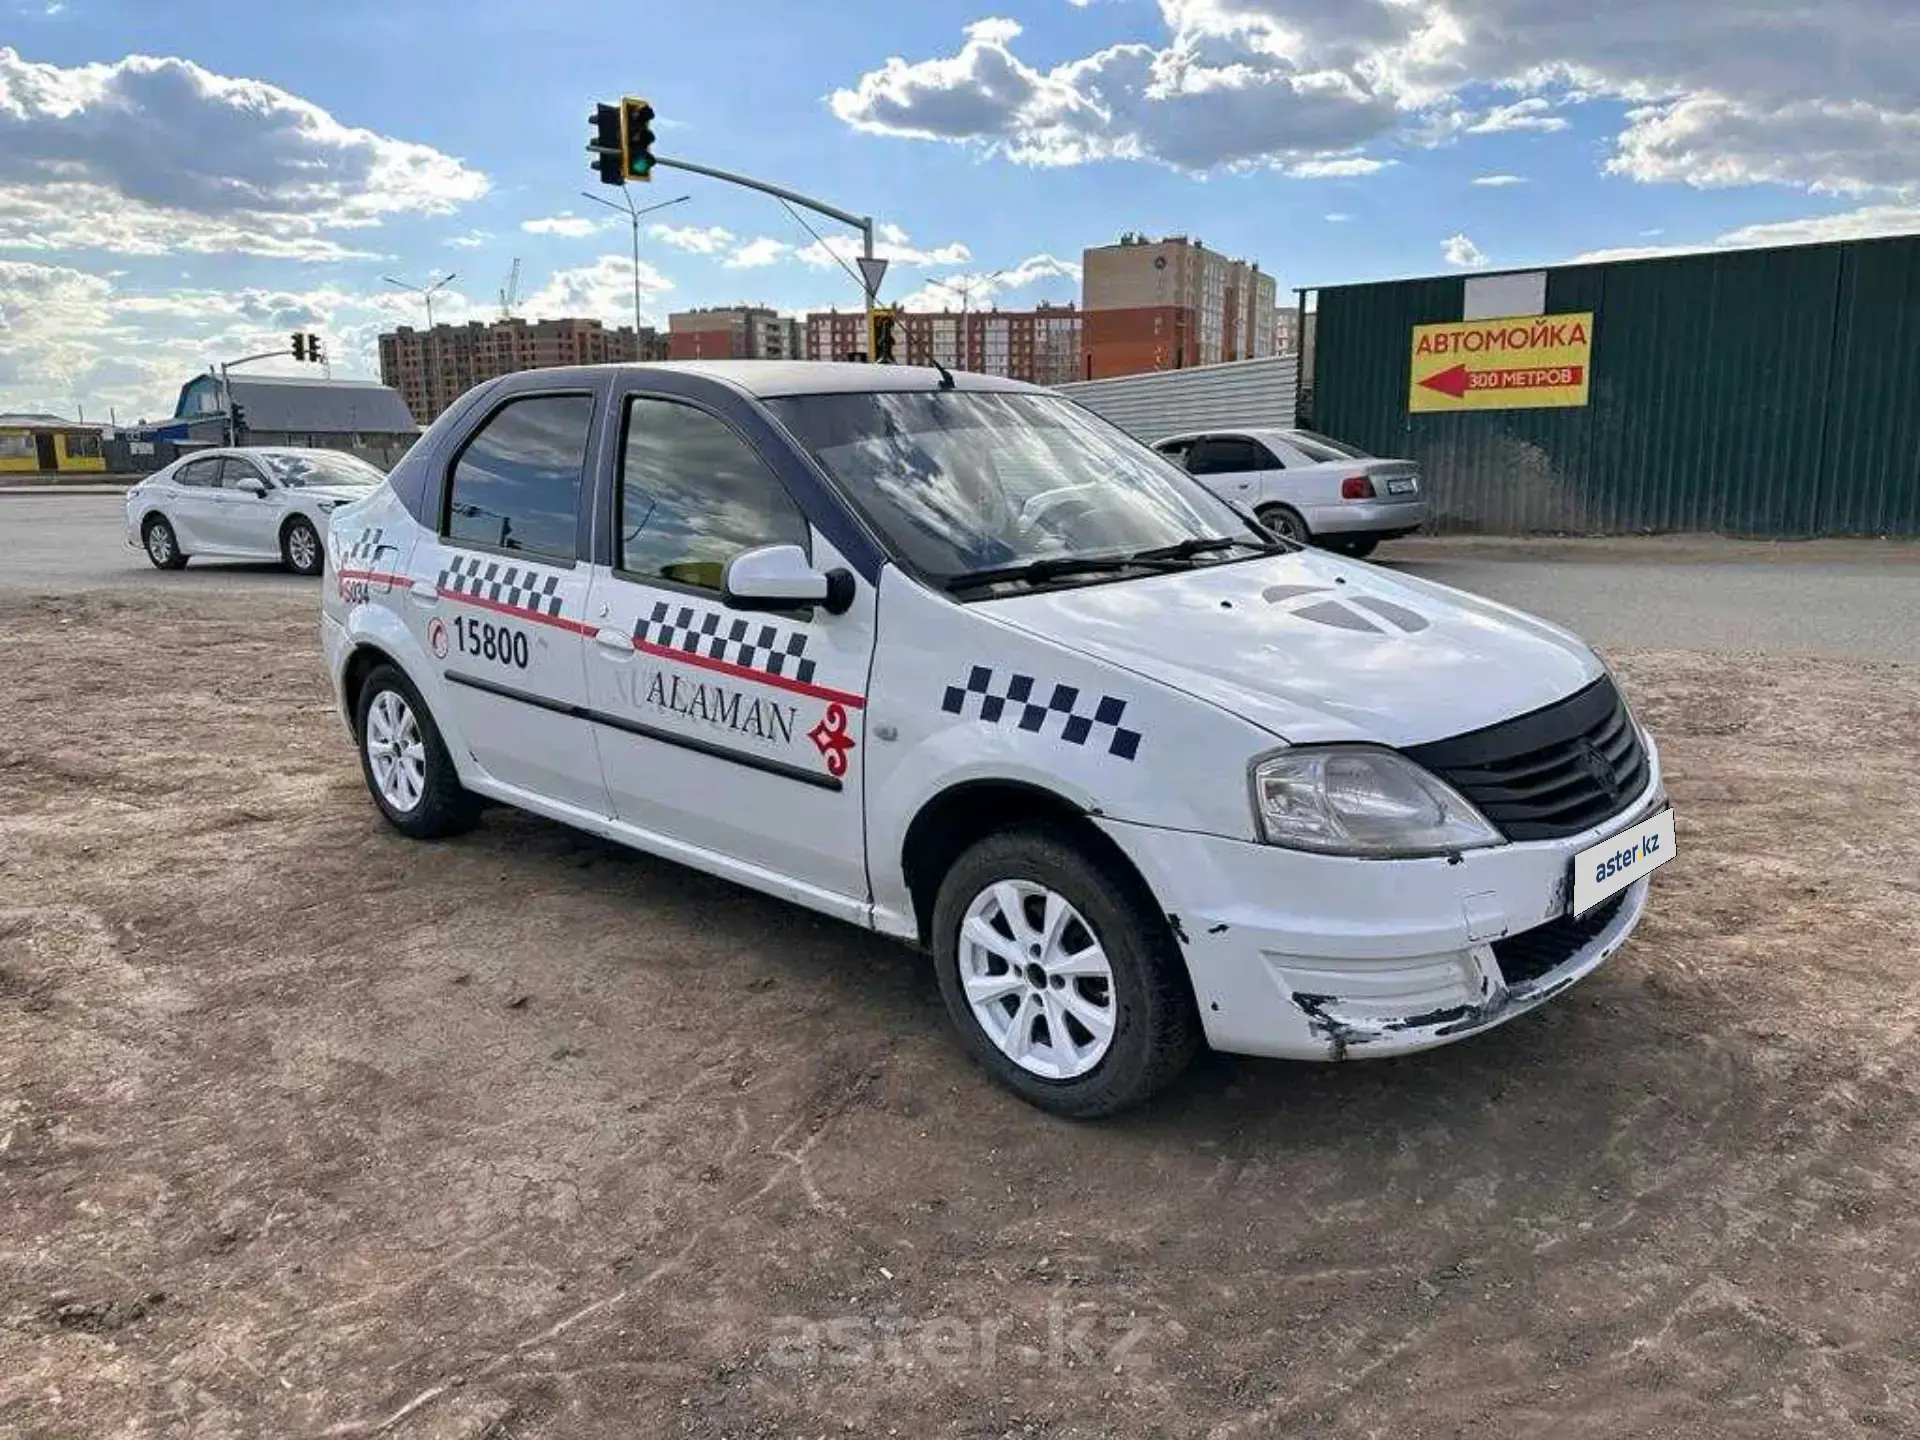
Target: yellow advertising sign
point(1528, 362)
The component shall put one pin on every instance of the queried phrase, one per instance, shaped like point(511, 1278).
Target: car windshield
point(295, 471)
point(1324, 448)
point(961, 482)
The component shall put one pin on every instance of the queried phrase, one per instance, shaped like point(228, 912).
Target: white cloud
point(976, 290)
point(1499, 182)
point(1736, 92)
point(1461, 251)
point(756, 253)
point(710, 240)
point(149, 155)
point(1338, 217)
point(566, 223)
point(472, 240)
point(1865, 223)
point(891, 243)
point(601, 290)
point(1338, 168)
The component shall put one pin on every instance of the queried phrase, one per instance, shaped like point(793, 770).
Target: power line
point(826, 248)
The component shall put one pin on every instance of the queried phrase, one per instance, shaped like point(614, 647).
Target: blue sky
point(268, 164)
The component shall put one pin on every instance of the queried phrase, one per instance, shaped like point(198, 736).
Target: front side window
point(233, 470)
point(693, 495)
point(516, 485)
point(961, 481)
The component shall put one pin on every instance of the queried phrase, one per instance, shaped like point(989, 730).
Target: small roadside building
point(46, 444)
point(359, 416)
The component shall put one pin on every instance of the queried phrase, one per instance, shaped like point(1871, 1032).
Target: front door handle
point(425, 592)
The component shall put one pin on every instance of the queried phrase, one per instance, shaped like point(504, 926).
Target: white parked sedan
point(265, 504)
point(1304, 486)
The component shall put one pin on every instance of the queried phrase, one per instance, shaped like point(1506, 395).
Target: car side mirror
point(252, 485)
point(780, 577)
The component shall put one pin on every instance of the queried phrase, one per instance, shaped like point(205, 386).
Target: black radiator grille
point(1549, 774)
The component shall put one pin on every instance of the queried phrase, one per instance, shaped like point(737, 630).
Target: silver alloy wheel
point(160, 542)
point(1037, 979)
point(1282, 523)
point(396, 751)
point(303, 547)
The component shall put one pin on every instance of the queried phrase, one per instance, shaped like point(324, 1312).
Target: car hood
point(1315, 648)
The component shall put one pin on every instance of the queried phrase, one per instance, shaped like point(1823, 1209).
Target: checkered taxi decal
point(742, 644)
point(1013, 699)
point(516, 586)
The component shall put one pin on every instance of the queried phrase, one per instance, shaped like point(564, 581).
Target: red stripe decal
point(759, 677)
point(373, 577)
point(558, 622)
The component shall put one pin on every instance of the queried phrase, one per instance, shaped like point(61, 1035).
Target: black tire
point(1157, 1027)
point(1286, 522)
point(315, 551)
point(162, 544)
point(444, 806)
point(1357, 547)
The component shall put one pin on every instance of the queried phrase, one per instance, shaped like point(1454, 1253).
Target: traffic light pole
point(226, 390)
point(862, 223)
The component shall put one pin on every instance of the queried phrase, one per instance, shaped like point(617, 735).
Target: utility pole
point(426, 350)
point(633, 217)
point(226, 389)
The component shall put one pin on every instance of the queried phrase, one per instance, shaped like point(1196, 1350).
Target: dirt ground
point(308, 1130)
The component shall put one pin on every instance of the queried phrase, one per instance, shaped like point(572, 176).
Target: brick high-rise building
point(432, 369)
point(1169, 304)
point(1040, 345)
point(733, 332)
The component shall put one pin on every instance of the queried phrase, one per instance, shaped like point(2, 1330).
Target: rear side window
point(1321, 449)
point(516, 485)
point(693, 495)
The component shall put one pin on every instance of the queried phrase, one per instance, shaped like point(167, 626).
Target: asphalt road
point(1847, 600)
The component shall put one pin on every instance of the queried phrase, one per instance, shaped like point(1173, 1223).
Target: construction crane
point(510, 292)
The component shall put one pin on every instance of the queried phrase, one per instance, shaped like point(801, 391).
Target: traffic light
point(239, 417)
point(609, 144)
point(299, 346)
point(313, 349)
point(638, 130)
point(880, 327)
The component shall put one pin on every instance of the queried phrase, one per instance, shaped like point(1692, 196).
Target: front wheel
point(162, 545)
point(1061, 976)
point(406, 764)
point(300, 547)
point(1285, 521)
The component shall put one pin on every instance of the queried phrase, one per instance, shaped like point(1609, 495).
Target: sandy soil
point(307, 1130)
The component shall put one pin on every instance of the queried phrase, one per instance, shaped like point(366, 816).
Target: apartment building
point(1041, 345)
point(1169, 304)
point(733, 332)
point(433, 368)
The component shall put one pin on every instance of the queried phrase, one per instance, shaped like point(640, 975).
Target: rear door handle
point(618, 641)
point(425, 592)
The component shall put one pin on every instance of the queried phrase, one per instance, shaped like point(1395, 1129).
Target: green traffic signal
point(637, 129)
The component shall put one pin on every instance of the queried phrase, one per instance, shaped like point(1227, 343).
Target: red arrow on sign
point(1452, 383)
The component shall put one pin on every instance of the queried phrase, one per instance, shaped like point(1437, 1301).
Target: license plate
point(1612, 865)
point(1402, 487)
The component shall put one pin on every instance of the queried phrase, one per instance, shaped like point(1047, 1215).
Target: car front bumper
point(1317, 957)
point(1368, 517)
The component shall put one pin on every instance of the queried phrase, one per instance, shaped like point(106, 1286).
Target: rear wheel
point(407, 767)
point(1285, 521)
point(163, 547)
point(300, 547)
point(1060, 975)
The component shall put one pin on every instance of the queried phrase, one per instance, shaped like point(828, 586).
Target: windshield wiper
point(1207, 545)
point(1058, 567)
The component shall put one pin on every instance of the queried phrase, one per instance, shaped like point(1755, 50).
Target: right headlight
point(1362, 800)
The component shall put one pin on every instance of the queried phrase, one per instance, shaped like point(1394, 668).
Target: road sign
point(1528, 362)
point(872, 271)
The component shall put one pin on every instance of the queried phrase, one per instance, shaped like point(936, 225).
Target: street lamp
point(964, 288)
point(633, 217)
point(427, 293)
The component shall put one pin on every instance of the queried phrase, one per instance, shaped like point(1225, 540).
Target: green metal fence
point(1752, 392)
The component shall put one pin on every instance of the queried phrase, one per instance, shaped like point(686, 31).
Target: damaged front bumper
point(1316, 957)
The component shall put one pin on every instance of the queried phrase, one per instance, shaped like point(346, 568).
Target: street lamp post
point(633, 218)
point(426, 292)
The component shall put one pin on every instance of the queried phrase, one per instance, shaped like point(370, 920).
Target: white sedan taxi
point(953, 659)
point(269, 503)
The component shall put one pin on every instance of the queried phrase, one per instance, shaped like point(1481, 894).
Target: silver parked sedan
point(1304, 486)
point(265, 504)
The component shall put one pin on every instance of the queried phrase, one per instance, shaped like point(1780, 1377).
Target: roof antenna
point(946, 375)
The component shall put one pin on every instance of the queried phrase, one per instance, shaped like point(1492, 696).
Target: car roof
point(768, 378)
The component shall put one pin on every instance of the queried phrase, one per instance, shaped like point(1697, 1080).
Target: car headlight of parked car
point(1362, 800)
